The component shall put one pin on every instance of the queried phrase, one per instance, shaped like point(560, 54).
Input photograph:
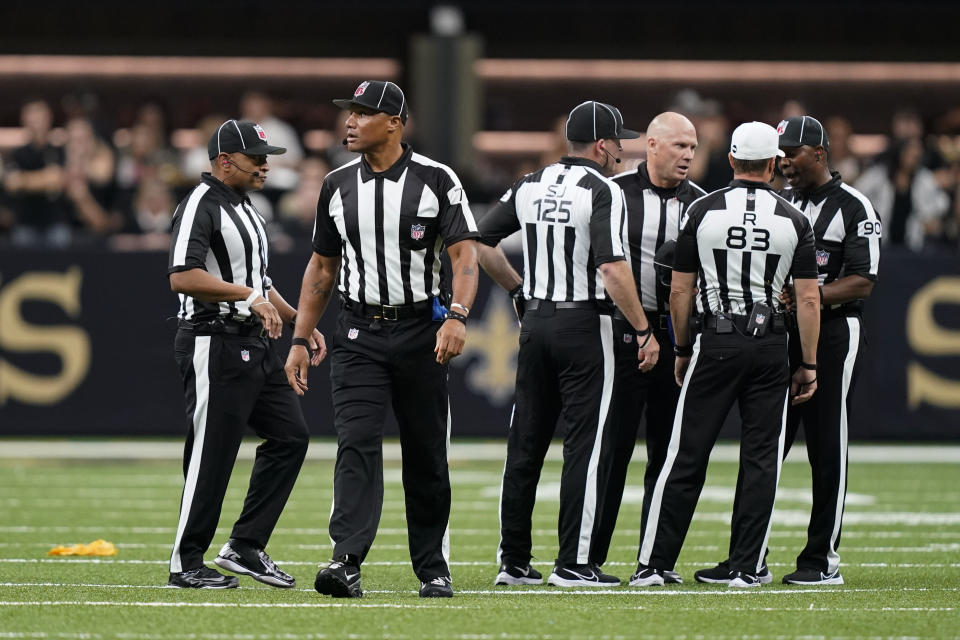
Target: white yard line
point(224, 605)
point(94, 449)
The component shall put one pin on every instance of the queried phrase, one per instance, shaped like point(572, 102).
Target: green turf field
point(901, 560)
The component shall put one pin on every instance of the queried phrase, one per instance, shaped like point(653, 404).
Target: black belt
point(777, 324)
point(659, 321)
point(245, 329)
point(534, 304)
point(386, 311)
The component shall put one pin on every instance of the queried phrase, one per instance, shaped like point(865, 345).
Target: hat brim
point(629, 134)
point(263, 149)
point(346, 103)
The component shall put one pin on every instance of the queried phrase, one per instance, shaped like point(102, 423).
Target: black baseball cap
point(379, 95)
point(802, 130)
point(591, 120)
point(244, 136)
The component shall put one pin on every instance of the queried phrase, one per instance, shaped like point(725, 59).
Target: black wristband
point(453, 315)
point(683, 352)
point(646, 340)
point(808, 367)
point(303, 342)
point(646, 331)
point(516, 291)
point(293, 322)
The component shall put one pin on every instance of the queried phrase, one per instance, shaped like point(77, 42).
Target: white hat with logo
point(755, 141)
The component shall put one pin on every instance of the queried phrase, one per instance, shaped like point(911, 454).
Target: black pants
point(724, 368)
point(657, 393)
point(392, 364)
point(230, 382)
point(825, 418)
point(565, 367)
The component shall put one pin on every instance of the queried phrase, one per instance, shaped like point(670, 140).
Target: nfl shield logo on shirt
point(416, 231)
point(353, 333)
point(245, 355)
point(823, 257)
point(628, 337)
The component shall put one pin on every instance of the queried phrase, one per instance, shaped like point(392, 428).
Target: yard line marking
point(225, 605)
point(326, 450)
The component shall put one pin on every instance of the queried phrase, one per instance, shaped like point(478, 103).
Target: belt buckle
point(389, 312)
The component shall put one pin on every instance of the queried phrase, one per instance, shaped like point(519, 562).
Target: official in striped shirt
point(382, 222)
point(657, 194)
point(738, 247)
point(230, 318)
point(570, 216)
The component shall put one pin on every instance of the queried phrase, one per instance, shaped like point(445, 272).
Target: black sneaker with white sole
point(813, 578)
point(581, 575)
point(672, 577)
point(743, 580)
point(607, 579)
point(340, 579)
point(720, 574)
point(646, 577)
point(439, 587)
point(202, 578)
point(247, 560)
point(514, 575)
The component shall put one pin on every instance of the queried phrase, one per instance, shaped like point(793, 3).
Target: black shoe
point(813, 577)
point(581, 575)
point(646, 577)
point(512, 575)
point(246, 560)
point(743, 580)
point(439, 587)
point(672, 577)
point(607, 579)
point(341, 578)
point(720, 574)
point(202, 578)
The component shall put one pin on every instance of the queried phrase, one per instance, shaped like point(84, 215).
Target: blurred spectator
point(710, 168)
point(558, 148)
point(842, 158)
point(196, 160)
point(258, 107)
point(34, 181)
point(337, 154)
point(88, 181)
point(297, 209)
point(145, 157)
point(905, 194)
point(147, 225)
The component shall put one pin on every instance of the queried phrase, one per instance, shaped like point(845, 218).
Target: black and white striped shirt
point(389, 228)
point(744, 240)
point(571, 217)
point(218, 230)
point(654, 216)
point(846, 230)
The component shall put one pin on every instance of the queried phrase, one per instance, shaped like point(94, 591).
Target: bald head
point(671, 143)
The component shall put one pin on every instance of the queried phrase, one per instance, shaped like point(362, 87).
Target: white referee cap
point(755, 141)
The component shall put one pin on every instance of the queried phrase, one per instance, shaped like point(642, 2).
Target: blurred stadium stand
point(133, 92)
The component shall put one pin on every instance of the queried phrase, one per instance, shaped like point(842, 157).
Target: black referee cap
point(802, 130)
point(244, 136)
point(591, 120)
point(379, 95)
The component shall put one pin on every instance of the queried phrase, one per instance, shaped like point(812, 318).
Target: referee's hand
point(450, 339)
point(649, 354)
point(803, 385)
point(298, 361)
point(269, 316)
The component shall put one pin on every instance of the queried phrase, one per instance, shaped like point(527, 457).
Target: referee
point(657, 195)
point(737, 248)
point(230, 317)
point(382, 222)
point(570, 216)
point(847, 232)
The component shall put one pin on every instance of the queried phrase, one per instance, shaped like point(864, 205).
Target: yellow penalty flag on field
point(95, 548)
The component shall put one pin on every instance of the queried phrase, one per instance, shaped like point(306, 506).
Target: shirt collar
point(581, 162)
point(229, 194)
point(643, 175)
point(750, 184)
point(393, 173)
point(823, 190)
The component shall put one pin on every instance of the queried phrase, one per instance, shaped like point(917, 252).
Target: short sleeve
point(501, 220)
point(606, 224)
point(326, 238)
point(455, 217)
point(804, 264)
point(686, 258)
point(191, 234)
